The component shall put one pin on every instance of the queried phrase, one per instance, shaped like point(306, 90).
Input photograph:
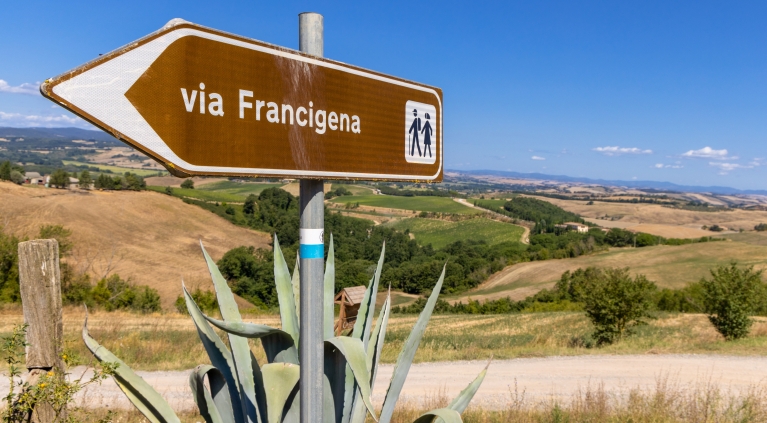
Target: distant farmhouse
point(574, 226)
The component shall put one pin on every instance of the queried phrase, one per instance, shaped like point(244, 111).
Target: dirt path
point(539, 378)
point(525, 238)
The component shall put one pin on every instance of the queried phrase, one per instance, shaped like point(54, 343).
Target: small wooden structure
point(349, 299)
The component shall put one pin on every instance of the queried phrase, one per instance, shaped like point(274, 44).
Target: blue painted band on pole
point(312, 243)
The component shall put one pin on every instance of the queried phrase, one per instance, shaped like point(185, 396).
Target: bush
point(187, 184)
point(16, 177)
point(114, 293)
point(730, 297)
point(169, 190)
point(206, 300)
point(761, 227)
point(615, 303)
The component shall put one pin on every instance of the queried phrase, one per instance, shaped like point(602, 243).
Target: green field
point(428, 204)
point(201, 194)
point(239, 189)
point(354, 189)
point(116, 169)
point(440, 233)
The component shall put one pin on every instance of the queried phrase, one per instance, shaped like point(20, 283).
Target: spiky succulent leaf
point(405, 359)
point(218, 353)
point(281, 383)
point(362, 331)
point(215, 405)
point(329, 291)
point(373, 357)
point(463, 399)
point(353, 355)
point(240, 349)
point(295, 281)
point(150, 403)
point(445, 415)
point(285, 297)
point(278, 345)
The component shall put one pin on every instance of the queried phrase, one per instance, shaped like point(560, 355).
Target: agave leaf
point(240, 349)
point(281, 382)
point(295, 280)
point(258, 379)
point(405, 358)
point(463, 399)
point(278, 345)
point(441, 414)
point(329, 290)
point(218, 353)
point(143, 396)
point(354, 356)
point(373, 357)
point(362, 331)
point(215, 405)
point(285, 293)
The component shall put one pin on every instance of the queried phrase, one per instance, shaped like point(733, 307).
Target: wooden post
point(40, 285)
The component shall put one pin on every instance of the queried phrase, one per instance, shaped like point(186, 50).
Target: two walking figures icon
point(427, 132)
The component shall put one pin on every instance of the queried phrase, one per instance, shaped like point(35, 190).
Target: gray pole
point(311, 250)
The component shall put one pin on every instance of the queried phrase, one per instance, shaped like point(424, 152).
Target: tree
point(5, 171)
point(761, 227)
point(59, 178)
point(187, 184)
point(134, 182)
point(16, 177)
point(615, 303)
point(730, 297)
point(103, 182)
point(85, 180)
point(249, 208)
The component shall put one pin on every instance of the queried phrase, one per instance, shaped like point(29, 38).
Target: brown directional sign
point(204, 102)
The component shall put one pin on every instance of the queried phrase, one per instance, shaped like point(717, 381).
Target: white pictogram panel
point(420, 133)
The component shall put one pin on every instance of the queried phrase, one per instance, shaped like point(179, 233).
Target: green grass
point(428, 204)
point(116, 169)
point(201, 195)
point(239, 189)
point(354, 189)
point(440, 233)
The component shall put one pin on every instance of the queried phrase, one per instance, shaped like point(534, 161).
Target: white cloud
point(756, 162)
point(617, 151)
point(668, 166)
point(709, 153)
point(538, 158)
point(725, 168)
point(25, 88)
point(20, 120)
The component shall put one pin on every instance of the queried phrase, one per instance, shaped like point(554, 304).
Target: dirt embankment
point(150, 238)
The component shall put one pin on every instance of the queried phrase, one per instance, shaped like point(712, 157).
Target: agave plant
point(241, 391)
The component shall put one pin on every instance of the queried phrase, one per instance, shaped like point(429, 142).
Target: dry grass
point(654, 214)
point(667, 402)
point(150, 238)
point(170, 342)
point(668, 266)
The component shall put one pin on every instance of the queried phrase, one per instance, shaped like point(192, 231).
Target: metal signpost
point(206, 102)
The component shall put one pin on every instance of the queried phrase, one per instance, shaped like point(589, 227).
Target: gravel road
point(539, 378)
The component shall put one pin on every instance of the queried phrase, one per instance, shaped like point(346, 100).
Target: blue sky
point(666, 91)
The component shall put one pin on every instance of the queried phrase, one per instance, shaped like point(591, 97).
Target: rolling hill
point(150, 238)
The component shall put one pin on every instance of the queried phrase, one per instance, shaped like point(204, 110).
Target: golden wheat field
point(150, 238)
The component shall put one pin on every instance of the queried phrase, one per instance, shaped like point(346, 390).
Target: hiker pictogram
point(420, 131)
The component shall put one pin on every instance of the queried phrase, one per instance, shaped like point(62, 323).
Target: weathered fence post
point(40, 284)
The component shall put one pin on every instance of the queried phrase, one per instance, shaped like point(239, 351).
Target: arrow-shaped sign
point(204, 102)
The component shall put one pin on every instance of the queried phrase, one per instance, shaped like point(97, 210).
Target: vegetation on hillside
point(432, 192)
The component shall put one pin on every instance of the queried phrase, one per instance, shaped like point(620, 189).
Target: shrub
point(730, 297)
point(615, 303)
point(187, 184)
point(114, 293)
point(761, 227)
point(169, 190)
point(206, 300)
point(16, 177)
